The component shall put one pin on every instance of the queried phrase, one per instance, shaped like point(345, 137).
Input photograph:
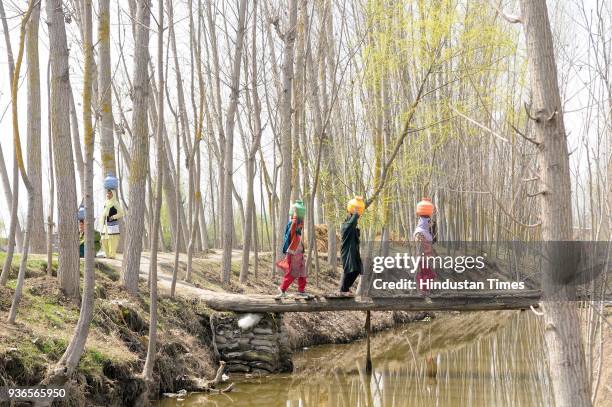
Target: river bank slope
point(108, 373)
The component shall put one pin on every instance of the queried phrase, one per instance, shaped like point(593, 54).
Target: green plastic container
point(300, 209)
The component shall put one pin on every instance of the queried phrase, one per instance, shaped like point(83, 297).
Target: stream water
point(438, 363)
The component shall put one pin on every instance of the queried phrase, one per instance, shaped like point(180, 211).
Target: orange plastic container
point(356, 204)
point(425, 207)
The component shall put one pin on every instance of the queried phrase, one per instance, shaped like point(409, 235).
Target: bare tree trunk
point(178, 205)
point(14, 226)
point(12, 198)
point(171, 180)
point(37, 238)
point(67, 229)
point(298, 107)
point(76, 142)
point(8, 195)
point(19, 163)
point(285, 132)
point(255, 244)
point(152, 346)
point(107, 143)
point(10, 251)
point(3, 173)
point(139, 153)
point(319, 131)
point(194, 199)
point(327, 156)
point(193, 165)
point(171, 184)
point(23, 263)
point(177, 180)
point(51, 179)
point(250, 221)
point(228, 216)
point(70, 359)
point(182, 113)
point(203, 228)
point(218, 109)
point(566, 361)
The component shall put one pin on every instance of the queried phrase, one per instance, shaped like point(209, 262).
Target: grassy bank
point(116, 347)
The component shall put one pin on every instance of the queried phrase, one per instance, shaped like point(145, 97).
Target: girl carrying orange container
point(425, 238)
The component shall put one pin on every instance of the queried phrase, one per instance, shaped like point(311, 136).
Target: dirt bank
point(116, 347)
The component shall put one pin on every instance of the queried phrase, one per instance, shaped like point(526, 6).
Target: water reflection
point(503, 368)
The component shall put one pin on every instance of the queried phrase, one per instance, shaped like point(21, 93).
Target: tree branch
point(507, 213)
point(402, 137)
point(469, 119)
point(512, 19)
point(542, 192)
point(523, 135)
point(528, 111)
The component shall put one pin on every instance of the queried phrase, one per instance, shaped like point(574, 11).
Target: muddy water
point(486, 359)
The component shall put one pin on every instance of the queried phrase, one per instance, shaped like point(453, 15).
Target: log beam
point(472, 301)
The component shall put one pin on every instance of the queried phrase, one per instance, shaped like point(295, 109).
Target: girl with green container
point(293, 247)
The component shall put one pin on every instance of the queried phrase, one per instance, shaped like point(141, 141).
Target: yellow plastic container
point(356, 205)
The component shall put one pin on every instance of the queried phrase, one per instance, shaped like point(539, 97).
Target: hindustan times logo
point(446, 284)
point(411, 263)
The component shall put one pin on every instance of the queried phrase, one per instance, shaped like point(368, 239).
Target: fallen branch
point(209, 385)
point(220, 391)
point(218, 376)
point(204, 386)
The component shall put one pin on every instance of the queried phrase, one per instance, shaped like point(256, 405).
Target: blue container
point(81, 213)
point(111, 182)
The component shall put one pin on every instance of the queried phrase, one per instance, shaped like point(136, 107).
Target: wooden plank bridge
point(443, 301)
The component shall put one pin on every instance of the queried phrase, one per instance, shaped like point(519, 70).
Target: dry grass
point(116, 346)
